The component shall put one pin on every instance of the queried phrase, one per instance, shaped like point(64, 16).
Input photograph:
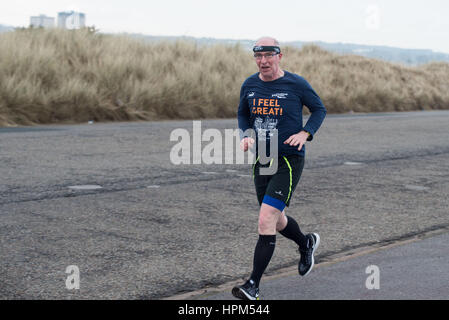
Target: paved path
point(155, 229)
point(413, 269)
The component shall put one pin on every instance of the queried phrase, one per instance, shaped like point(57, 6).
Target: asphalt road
point(414, 269)
point(155, 229)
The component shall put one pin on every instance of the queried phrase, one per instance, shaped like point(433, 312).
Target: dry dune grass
point(354, 83)
point(57, 76)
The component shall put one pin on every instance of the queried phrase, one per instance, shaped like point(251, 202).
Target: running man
point(271, 103)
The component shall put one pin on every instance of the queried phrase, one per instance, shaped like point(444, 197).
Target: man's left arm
point(318, 112)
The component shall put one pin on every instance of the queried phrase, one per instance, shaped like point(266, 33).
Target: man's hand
point(246, 143)
point(298, 139)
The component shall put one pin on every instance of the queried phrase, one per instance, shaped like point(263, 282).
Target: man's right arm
point(243, 114)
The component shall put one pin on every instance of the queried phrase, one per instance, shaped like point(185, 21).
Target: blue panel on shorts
point(278, 204)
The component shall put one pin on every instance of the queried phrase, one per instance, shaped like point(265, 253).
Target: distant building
point(71, 20)
point(42, 21)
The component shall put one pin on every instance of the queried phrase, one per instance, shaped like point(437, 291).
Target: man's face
point(268, 65)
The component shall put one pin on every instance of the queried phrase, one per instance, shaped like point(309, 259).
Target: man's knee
point(268, 219)
point(282, 222)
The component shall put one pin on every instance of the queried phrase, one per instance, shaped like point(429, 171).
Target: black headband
point(267, 48)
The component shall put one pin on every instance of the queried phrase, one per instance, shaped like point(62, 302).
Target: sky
point(414, 24)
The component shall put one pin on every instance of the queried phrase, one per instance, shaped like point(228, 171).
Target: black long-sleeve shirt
point(269, 105)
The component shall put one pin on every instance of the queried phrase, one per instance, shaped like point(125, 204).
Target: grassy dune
point(58, 76)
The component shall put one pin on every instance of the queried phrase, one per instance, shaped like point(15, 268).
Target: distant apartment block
point(71, 20)
point(42, 21)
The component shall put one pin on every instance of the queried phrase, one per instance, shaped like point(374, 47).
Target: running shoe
point(307, 260)
point(247, 291)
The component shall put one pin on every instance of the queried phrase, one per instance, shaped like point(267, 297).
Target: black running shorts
point(276, 190)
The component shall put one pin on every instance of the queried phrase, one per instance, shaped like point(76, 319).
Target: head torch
point(267, 48)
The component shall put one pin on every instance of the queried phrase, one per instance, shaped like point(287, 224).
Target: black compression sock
point(292, 232)
point(262, 256)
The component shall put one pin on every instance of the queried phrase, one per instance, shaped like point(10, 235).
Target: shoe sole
point(241, 294)
point(317, 243)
